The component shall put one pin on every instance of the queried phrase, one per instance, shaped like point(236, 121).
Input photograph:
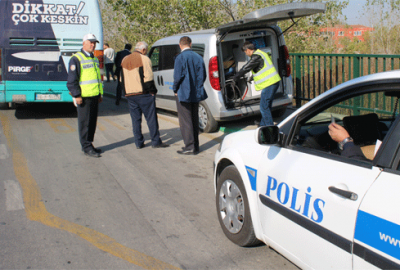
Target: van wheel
point(233, 209)
point(207, 122)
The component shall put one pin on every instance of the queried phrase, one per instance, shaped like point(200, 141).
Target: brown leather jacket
point(137, 75)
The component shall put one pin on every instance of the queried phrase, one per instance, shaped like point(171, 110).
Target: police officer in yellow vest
point(85, 86)
point(265, 76)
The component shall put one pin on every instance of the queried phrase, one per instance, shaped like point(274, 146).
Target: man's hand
point(337, 132)
point(100, 99)
point(78, 100)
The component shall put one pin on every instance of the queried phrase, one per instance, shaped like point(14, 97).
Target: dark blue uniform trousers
point(145, 104)
point(87, 121)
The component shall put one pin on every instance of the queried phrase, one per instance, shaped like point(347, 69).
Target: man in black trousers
point(189, 77)
point(85, 85)
point(118, 60)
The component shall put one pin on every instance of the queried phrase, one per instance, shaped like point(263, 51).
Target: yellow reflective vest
point(267, 75)
point(90, 78)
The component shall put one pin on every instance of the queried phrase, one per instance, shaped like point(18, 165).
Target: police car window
point(155, 57)
point(367, 118)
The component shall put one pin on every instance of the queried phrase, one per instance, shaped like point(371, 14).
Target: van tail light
point(288, 69)
point(213, 73)
point(100, 55)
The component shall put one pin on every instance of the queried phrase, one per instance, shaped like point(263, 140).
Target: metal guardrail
point(314, 74)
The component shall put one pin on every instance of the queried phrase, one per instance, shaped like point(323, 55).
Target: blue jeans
point(109, 69)
point(144, 104)
point(267, 96)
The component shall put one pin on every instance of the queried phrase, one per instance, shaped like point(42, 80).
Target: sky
point(354, 12)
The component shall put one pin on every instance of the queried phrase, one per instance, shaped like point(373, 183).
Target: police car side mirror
point(268, 135)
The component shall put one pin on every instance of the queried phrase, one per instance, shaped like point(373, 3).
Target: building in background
point(350, 31)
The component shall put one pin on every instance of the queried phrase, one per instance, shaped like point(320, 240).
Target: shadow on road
point(65, 110)
point(45, 110)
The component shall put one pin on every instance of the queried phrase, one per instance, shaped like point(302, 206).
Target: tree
point(313, 40)
point(113, 26)
point(304, 36)
point(154, 19)
point(383, 16)
point(150, 20)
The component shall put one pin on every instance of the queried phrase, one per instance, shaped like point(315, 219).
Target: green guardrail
point(313, 74)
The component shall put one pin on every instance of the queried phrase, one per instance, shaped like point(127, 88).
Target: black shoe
point(140, 146)
point(195, 150)
point(187, 152)
point(92, 153)
point(98, 150)
point(161, 145)
point(117, 102)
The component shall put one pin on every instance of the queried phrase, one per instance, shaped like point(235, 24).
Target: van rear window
point(199, 48)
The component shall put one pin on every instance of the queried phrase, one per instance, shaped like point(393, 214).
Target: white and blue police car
point(291, 187)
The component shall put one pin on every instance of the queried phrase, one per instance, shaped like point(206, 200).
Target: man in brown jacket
point(140, 90)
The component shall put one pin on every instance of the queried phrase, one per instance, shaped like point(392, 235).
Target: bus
point(37, 40)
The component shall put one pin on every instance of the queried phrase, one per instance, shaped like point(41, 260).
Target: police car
point(289, 186)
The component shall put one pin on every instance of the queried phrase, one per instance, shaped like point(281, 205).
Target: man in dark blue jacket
point(118, 60)
point(189, 77)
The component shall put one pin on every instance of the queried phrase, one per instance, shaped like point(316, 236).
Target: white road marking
point(3, 151)
point(14, 199)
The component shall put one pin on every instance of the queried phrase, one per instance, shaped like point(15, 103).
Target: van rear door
point(271, 15)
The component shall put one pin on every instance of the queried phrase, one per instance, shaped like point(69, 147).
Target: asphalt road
point(130, 209)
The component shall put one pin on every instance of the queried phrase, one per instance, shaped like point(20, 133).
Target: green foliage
point(384, 16)
point(305, 36)
point(149, 20)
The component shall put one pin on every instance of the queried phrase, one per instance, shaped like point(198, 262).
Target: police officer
point(266, 79)
point(85, 86)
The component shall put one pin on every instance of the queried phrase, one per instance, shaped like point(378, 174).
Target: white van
point(223, 57)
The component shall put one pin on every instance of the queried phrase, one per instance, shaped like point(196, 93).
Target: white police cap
point(90, 37)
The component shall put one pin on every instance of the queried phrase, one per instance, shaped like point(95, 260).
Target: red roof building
point(351, 31)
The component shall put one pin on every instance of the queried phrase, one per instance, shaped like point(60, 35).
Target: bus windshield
point(37, 40)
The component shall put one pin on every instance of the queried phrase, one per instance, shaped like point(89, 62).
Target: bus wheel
point(5, 106)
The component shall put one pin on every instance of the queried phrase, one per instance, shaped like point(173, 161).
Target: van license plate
point(48, 96)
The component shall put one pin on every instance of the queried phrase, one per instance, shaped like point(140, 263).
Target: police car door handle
point(344, 193)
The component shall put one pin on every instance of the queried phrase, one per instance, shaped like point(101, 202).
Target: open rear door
point(273, 14)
